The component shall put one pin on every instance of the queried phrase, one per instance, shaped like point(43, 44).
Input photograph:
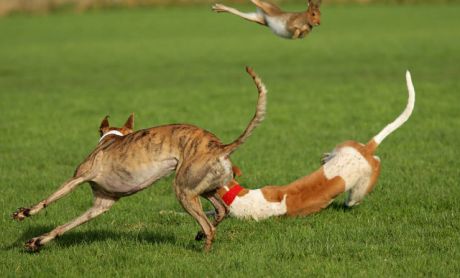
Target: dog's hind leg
point(101, 204)
point(221, 210)
point(65, 188)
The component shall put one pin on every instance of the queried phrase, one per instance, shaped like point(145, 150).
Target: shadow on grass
point(339, 206)
point(75, 238)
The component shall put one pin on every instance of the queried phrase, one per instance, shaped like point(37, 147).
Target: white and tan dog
point(125, 162)
point(351, 167)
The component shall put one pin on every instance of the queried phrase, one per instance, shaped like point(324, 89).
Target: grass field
point(59, 75)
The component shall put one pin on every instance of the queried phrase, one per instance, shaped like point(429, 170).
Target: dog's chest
point(349, 164)
point(254, 205)
point(128, 178)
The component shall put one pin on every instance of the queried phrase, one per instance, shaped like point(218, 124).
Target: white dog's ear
point(104, 127)
point(129, 122)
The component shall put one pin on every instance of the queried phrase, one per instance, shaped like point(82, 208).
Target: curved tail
point(258, 116)
point(374, 142)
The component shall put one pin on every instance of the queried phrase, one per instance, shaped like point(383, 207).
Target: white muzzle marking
point(112, 132)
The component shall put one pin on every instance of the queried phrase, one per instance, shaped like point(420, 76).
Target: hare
point(287, 25)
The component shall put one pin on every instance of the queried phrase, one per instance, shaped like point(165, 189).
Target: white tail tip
point(410, 86)
point(404, 115)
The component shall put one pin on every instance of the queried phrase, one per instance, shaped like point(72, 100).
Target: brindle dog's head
point(126, 129)
point(313, 13)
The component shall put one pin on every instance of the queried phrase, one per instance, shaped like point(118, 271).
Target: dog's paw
point(199, 236)
point(326, 157)
point(21, 213)
point(33, 245)
point(219, 8)
point(207, 246)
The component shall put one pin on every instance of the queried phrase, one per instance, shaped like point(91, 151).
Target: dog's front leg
point(66, 188)
point(101, 204)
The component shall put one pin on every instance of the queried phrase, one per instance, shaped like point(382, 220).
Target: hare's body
point(290, 25)
point(286, 24)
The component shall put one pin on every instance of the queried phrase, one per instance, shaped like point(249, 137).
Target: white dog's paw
point(326, 157)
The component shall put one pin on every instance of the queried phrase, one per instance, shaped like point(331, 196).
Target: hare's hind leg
point(268, 8)
point(253, 17)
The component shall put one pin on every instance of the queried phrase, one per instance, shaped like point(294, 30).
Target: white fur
point(404, 115)
point(112, 132)
point(358, 191)
point(276, 24)
point(349, 164)
point(254, 205)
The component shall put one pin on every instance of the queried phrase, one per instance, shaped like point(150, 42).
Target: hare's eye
point(313, 14)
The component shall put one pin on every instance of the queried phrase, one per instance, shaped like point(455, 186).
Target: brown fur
point(298, 24)
point(306, 195)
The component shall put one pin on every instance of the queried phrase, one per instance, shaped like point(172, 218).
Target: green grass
point(59, 75)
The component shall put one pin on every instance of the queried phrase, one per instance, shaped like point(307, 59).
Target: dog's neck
point(112, 132)
point(231, 193)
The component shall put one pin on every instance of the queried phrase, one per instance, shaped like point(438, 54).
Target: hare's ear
point(129, 122)
point(104, 127)
point(314, 3)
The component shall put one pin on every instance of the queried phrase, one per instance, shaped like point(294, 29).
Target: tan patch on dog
point(308, 194)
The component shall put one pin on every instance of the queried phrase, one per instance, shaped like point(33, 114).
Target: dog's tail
point(258, 116)
point(374, 142)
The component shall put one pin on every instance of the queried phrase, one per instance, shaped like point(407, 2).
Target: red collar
point(231, 194)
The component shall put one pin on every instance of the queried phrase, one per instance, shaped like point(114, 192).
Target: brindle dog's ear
point(130, 122)
point(104, 125)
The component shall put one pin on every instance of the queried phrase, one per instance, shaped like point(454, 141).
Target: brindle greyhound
point(125, 162)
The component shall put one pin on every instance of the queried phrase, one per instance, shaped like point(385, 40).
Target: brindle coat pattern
point(123, 165)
